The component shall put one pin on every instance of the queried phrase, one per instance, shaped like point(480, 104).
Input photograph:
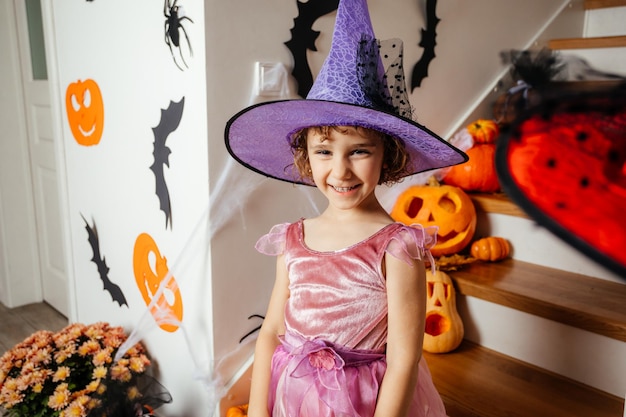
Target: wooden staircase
point(477, 381)
point(610, 36)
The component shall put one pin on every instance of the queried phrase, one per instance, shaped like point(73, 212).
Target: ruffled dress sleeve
point(413, 242)
point(273, 243)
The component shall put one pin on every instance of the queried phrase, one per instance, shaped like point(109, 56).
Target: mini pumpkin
point(484, 130)
point(237, 411)
point(478, 173)
point(444, 328)
point(445, 206)
point(491, 248)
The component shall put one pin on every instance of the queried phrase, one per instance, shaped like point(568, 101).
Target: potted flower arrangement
point(72, 373)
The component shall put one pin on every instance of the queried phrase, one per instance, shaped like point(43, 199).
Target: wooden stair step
point(601, 4)
point(496, 203)
point(580, 301)
point(478, 382)
point(587, 43)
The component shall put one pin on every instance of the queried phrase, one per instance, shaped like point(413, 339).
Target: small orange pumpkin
point(484, 130)
point(490, 248)
point(445, 206)
point(444, 328)
point(477, 174)
point(237, 411)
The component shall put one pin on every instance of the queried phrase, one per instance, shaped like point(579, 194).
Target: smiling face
point(445, 206)
point(85, 111)
point(346, 165)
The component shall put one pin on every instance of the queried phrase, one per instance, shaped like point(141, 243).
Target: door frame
point(56, 108)
point(24, 284)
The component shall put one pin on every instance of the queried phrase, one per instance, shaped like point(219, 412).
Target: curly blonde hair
point(395, 156)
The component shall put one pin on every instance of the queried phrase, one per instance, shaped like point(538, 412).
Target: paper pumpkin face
point(85, 111)
point(168, 307)
point(445, 206)
point(444, 328)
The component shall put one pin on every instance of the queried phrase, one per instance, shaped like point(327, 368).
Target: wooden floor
point(16, 324)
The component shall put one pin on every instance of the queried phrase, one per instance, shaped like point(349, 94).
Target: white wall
point(120, 45)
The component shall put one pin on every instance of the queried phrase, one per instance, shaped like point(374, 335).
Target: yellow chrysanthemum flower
point(99, 372)
point(60, 397)
point(61, 374)
point(133, 393)
point(74, 410)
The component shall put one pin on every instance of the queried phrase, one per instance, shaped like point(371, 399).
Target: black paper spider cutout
point(173, 23)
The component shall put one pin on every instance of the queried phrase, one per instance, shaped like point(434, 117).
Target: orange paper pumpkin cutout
point(85, 111)
point(149, 280)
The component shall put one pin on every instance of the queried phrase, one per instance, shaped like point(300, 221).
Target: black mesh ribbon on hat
point(387, 93)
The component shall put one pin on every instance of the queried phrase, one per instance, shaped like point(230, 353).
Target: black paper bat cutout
point(303, 37)
point(103, 269)
point(170, 119)
point(428, 42)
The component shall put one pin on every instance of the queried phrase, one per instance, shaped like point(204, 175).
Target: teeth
point(343, 189)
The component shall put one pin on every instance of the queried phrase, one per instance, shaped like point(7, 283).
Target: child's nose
point(341, 168)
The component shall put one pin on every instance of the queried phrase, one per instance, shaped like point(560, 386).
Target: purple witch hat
point(351, 89)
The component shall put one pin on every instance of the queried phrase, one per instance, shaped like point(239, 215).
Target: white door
point(42, 154)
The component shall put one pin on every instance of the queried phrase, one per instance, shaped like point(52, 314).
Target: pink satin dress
point(331, 360)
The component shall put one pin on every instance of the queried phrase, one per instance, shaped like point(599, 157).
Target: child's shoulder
point(273, 242)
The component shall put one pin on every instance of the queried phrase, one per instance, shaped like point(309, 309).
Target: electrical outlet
point(271, 78)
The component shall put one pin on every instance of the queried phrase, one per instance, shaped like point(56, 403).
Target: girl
point(343, 332)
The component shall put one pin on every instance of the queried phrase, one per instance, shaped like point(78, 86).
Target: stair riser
point(611, 60)
point(605, 22)
point(589, 358)
point(535, 244)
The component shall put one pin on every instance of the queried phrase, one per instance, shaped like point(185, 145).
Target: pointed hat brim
point(259, 137)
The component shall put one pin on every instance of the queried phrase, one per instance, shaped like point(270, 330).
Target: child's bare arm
point(273, 326)
point(406, 294)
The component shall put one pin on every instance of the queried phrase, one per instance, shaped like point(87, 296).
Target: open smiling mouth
point(344, 189)
point(87, 133)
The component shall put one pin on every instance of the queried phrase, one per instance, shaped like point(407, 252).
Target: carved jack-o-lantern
point(85, 111)
point(444, 327)
point(168, 307)
point(445, 206)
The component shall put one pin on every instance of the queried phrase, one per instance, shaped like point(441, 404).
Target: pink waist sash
point(308, 372)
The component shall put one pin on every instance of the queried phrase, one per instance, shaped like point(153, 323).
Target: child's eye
point(322, 152)
point(360, 152)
